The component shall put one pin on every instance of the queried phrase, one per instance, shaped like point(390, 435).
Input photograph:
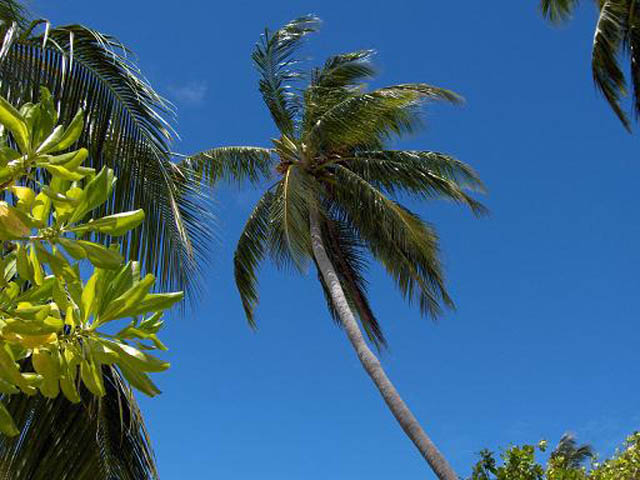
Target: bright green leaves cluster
point(624, 464)
point(520, 463)
point(51, 336)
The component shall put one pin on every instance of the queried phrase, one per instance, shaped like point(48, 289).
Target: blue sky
point(545, 336)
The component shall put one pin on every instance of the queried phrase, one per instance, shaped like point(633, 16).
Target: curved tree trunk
point(372, 365)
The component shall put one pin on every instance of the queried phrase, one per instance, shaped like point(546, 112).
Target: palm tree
point(569, 454)
point(332, 202)
point(128, 127)
point(617, 35)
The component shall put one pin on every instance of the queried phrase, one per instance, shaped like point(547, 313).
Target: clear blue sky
point(545, 338)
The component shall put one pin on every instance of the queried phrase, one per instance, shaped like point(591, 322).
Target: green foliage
point(625, 464)
point(53, 338)
point(518, 464)
point(566, 462)
point(331, 157)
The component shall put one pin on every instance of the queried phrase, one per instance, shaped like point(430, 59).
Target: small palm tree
point(569, 454)
point(617, 35)
point(332, 201)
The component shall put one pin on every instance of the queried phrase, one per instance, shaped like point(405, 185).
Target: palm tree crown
point(331, 158)
point(617, 36)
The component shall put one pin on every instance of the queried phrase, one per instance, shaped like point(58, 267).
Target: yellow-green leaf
point(91, 375)
point(7, 425)
point(63, 172)
point(41, 207)
point(15, 123)
point(101, 256)
point(72, 133)
point(114, 225)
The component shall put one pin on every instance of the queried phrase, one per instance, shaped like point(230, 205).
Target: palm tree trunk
point(372, 365)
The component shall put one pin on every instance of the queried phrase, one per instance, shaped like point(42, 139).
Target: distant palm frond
point(617, 37)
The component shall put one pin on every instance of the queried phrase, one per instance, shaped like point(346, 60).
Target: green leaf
point(72, 133)
point(128, 301)
point(70, 160)
point(25, 197)
point(138, 380)
point(137, 359)
point(91, 375)
point(48, 366)
point(63, 172)
point(114, 225)
point(101, 256)
point(24, 267)
point(103, 351)
point(13, 223)
point(51, 141)
point(73, 248)
point(38, 293)
point(41, 207)
point(68, 386)
point(59, 294)
point(89, 296)
point(7, 426)
point(155, 302)
point(95, 194)
point(15, 123)
point(7, 388)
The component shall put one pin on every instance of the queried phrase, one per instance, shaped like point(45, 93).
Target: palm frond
point(427, 174)
point(290, 240)
point(273, 58)
point(405, 245)
point(126, 128)
point(12, 11)
point(344, 249)
point(250, 251)
point(573, 455)
point(231, 164)
point(370, 119)
point(94, 440)
point(557, 11)
point(632, 42)
point(608, 40)
point(344, 70)
point(336, 81)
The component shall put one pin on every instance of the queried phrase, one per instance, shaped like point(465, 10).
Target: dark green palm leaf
point(250, 251)
point(371, 118)
point(609, 37)
point(231, 164)
point(345, 70)
point(345, 249)
point(405, 245)
point(617, 37)
point(273, 57)
point(290, 240)
point(427, 174)
point(557, 10)
point(14, 12)
point(632, 43)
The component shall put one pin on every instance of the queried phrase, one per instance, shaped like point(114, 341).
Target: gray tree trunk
point(372, 365)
